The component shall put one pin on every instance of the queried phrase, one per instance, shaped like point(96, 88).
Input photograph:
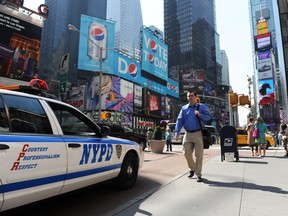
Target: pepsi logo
point(97, 34)
point(153, 46)
point(151, 58)
point(133, 70)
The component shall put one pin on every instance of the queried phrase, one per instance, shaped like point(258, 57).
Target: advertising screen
point(19, 45)
point(154, 55)
point(263, 42)
point(264, 67)
point(172, 88)
point(266, 91)
point(153, 103)
point(96, 33)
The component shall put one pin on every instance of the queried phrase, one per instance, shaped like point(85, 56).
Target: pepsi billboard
point(101, 34)
point(126, 68)
point(172, 88)
point(154, 55)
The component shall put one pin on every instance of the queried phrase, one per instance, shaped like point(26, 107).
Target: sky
point(233, 26)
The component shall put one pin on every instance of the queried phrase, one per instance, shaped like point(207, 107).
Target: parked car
point(125, 132)
point(242, 137)
point(49, 148)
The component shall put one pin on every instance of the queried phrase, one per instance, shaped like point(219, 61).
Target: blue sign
point(154, 55)
point(127, 68)
point(96, 33)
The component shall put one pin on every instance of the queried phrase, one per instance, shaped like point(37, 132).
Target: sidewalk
point(251, 186)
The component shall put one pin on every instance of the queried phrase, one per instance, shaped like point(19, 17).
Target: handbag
point(207, 138)
point(255, 134)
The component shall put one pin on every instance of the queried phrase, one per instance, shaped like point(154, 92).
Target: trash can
point(229, 143)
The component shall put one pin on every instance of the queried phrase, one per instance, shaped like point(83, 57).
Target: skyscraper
point(189, 29)
point(267, 11)
point(57, 40)
point(128, 17)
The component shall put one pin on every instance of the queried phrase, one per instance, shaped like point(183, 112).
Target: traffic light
point(233, 98)
point(105, 115)
point(112, 96)
point(243, 100)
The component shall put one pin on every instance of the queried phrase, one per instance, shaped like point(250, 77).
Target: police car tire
point(129, 172)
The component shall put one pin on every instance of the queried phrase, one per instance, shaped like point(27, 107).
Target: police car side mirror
point(105, 130)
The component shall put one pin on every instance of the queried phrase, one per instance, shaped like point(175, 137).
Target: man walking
point(188, 118)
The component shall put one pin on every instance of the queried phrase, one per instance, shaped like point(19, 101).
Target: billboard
point(127, 68)
point(264, 67)
point(262, 27)
point(155, 103)
point(20, 43)
point(154, 55)
point(172, 88)
point(137, 96)
point(266, 91)
point(264, 55)
point(117, 94)
point(96, 33)
point(262, 42)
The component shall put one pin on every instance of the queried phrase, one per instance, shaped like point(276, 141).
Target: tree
point(157, 134)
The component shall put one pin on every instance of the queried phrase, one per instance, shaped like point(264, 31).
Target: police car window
point(4, 127)
point(27, 115)
point(71, 121)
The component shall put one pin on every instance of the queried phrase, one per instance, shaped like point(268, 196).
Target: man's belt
point(192, 131)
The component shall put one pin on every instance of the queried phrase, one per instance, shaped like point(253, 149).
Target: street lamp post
point(73, 28)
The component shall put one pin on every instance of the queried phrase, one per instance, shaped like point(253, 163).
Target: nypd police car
point(48, 148)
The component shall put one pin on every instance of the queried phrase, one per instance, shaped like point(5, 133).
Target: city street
point(157, 171)
point(228, 188)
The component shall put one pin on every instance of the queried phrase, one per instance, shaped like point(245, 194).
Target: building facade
point(269, 66)
point(190, 33)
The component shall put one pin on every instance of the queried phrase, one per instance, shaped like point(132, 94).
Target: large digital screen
point(154, 55)
point(154, 103)
point(20, 43)
point(263, 42)
point(266, 91)
point(96, 33)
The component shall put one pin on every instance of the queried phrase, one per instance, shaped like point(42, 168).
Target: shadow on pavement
point(244, 185)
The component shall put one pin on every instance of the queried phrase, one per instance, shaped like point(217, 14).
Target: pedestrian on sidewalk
point(261, 140)
point(192, 140)
point(168, 139)
point(149, 137)
point(284, 131)
point(251, 141)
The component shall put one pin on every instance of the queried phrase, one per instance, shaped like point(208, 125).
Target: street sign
point(63, 81)
point(65, 63)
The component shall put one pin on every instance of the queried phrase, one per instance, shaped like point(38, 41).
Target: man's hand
point(197, 113)
point(176, 137)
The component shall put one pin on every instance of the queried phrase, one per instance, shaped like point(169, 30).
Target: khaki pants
point(191, 142)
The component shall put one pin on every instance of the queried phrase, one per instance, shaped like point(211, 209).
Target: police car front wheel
point(129, 171)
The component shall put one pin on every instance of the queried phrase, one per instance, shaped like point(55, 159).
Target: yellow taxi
point(242, 137)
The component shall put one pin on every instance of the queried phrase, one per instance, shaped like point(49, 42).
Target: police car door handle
point(3, 147)
point(74, 145)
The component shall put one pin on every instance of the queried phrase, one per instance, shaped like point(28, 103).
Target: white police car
point(48, 148)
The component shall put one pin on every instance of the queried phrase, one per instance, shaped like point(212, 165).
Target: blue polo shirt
point(188, 119)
